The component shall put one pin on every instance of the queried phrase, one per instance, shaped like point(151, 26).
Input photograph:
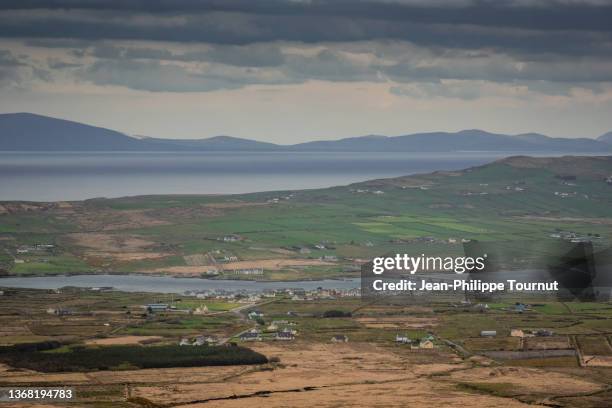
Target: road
point(237, 311)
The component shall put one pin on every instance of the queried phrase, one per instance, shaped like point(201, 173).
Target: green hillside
point(316, 233)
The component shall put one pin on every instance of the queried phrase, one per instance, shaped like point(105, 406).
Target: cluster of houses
point(284, 334)
point(283, 330)
point(474, 193)
point(59, 311)
point(37, 249)
point(431, 240)
point(249, 271)
point(531, 333)
point(157, 307)
point(225, 258)
point(26, 249)
point(339, 338)
point(565, 194)
point(204, 340)
point(574, 237)
point(519, 333)
point(302, 294)
point(366, 191)
point(255, 314)
point(239, 296)
point(276, 200)
point(419, 343)
point(328, 258)
point(230, 238)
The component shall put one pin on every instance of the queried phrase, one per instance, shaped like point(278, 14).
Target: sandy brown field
point(267, 264)
point(326, 375)
point(597, 361)
point(116, 341)
point(399, 322)
point(530, 381)
point(353, 374)
point(118, 247)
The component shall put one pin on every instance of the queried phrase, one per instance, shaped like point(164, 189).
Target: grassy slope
point(481, 203)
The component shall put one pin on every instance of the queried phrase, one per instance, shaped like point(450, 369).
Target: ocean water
point(76, 175)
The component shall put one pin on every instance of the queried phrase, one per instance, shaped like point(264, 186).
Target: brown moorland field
point(370, 370)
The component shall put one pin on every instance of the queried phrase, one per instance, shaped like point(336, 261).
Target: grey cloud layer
point(563, 27)
point(234, 43)
point(529, 14)
point(230, 67)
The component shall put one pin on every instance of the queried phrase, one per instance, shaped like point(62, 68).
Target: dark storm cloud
point(567, 27)
point(153, 76)
point(539, 15)
point(228, 44)
point(254, 55)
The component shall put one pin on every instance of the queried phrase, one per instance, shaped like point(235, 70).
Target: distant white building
point(426, 344)
point(517, 333)
point(284, 336)
point(402, 339)
point(339, 338)
point(249, 271)
point(200, 310)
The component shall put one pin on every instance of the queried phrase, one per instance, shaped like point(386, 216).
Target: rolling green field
point(513, 202)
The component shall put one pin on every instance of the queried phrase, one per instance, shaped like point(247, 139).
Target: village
point(512, 338)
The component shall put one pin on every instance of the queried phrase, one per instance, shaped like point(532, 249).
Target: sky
point(288, 71)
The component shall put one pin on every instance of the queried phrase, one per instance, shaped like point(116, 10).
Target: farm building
point(517, 333)
point(426, 344)
point(157, 307)
point(339, 338)
point(285, 336)
point(402, 339)
point(255, 314)
point(250, 336)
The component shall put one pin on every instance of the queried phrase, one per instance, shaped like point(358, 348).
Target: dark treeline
point(336, 313)
point(118, 357)
point(30, 347)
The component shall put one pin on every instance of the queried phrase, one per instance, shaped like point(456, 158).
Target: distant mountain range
point(30, 132)
point(606, 138)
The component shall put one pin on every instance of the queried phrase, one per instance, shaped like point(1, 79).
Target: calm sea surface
point(77, 175)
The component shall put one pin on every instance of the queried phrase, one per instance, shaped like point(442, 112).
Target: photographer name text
point(381, 285)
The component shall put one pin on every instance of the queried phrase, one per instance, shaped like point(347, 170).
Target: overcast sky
point(293, 70)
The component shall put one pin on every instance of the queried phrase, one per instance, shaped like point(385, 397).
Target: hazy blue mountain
point(215, 143)
point(29, 132)
point(465, 140)
point(606, 138)
point(26, 131)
